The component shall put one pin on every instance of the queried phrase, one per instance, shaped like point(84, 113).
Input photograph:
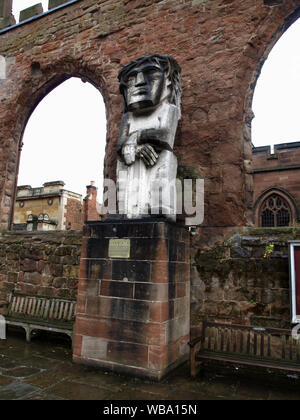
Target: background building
point(276, 181)
point(50, 207)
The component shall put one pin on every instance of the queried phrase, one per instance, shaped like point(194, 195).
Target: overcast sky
point(276, 102)
point(65, 137)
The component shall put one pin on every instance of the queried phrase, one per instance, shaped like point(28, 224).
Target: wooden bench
point(41, 313)
point(270, 348)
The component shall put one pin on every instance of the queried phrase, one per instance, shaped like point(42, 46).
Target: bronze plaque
point(119, 248)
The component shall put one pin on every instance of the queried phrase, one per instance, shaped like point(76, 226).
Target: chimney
point(90, 204)
point(91, 191)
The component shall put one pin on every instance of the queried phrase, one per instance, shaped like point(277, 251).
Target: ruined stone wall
point(220, 46)
point(43, 264)
point(235, 282)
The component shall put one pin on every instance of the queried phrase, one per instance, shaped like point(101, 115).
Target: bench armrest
point(195, 341)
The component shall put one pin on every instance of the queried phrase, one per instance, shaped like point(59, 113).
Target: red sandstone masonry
point(219, 46)
point(137, 309)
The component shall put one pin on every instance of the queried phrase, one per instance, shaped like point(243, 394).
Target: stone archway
point(34, 88)
point(256, 53)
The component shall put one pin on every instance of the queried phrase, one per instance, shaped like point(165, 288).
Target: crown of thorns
point(168, 65)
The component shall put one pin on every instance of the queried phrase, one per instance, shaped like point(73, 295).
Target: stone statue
point(147, 168)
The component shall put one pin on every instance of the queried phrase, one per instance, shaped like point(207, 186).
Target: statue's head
point(146, 81)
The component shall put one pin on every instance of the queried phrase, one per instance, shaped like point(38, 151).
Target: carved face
point(144, 85)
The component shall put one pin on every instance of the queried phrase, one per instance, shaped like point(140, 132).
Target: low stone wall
point(235, 282)
point(231, 282)
point(43, 264)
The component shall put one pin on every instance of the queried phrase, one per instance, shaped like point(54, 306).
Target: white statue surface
point(147, 166)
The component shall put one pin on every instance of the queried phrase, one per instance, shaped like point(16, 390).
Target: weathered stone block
point(31, 11)
point(116, 289)
point(131, 271)
point(100, 269)
point(7, 21)
point(12, 277)
point(32, 278)
point(162, 311)
point(29, 265)
point(128, 354)
point(59, 282)
point(94, 348)
point(123, 309)
point(153, 292)
point(54, 3)
point(5, 8)
point(56, 270)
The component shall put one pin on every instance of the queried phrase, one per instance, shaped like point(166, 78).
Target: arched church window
point(275, 212)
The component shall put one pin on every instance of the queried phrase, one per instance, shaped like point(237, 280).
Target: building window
point(275, 212)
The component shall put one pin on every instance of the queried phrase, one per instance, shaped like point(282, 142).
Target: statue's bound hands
point(128, 152)
point(129, 149)
point(147, 153)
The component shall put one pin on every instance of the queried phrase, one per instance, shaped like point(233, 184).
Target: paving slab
point(43, 370)
point(74, 391)
point(16, 391)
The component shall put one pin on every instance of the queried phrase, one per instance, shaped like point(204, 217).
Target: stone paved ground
point(43, 370)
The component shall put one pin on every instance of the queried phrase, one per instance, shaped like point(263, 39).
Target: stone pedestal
point(133, 313)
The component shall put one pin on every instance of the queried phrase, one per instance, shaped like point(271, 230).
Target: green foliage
point(268, 250)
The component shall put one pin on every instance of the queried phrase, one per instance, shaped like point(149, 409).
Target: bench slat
point(70, 312)
point(36, 312)
point(37, 308)
point(13, 304)
point(262, 345)
point(246, 345)
point(61, 310)
point(26, 303)
point(17, 305)
point(41, 308)
point(66, 311)
point(51, 309)
point(56, 309)
point(46, 311)
point(34, 303)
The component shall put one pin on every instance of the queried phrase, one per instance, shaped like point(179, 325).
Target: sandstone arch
point(39, 83)
point(220, 48)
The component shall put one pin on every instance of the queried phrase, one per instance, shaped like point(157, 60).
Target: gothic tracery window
point(275, 212)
